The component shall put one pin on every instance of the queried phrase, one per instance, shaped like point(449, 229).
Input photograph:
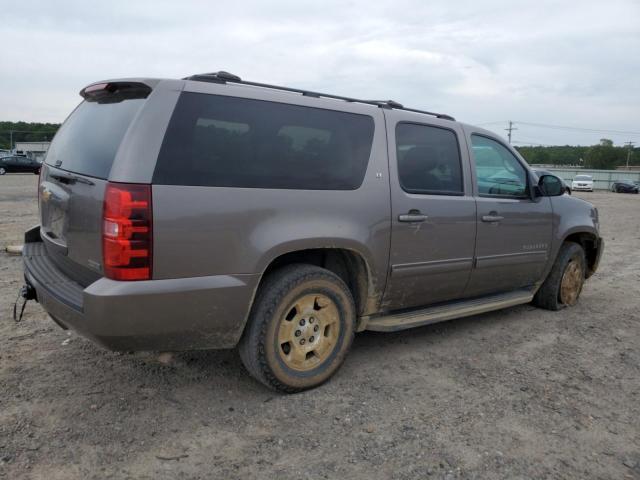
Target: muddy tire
point(563, 285)
point(300, 328)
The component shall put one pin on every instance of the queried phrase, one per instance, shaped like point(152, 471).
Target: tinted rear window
point(428, 160)
point(223, 141)
point(88, 141)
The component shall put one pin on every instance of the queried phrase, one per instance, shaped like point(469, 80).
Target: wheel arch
point(349, 264)
point(591, 244)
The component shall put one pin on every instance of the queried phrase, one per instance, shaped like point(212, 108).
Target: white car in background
point(582, 182)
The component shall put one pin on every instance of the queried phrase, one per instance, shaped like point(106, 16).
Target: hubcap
point(308, 332)
point(571, 284)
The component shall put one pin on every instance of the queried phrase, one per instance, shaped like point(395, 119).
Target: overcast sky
point(567, 63)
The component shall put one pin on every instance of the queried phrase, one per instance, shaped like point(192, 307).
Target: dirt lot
point(521, 393)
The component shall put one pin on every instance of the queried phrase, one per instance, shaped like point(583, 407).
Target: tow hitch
point(27, 292)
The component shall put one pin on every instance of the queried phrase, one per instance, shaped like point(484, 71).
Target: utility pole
point(629, 144)
point(511, 127)
point(11, 141)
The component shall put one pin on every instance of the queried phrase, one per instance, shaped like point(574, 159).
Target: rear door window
point(428, 160)
point(89, 139)
point(224, 141)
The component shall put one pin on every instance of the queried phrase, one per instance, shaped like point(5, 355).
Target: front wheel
point(300, 329)
point(563, 286)
point(2, 171)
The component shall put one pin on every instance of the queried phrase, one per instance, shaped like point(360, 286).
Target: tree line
point(25, 132)
point(604, 155)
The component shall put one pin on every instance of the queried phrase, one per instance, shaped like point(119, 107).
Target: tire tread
point(547, 296)
point(268, 298)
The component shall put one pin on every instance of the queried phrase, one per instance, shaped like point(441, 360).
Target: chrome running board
point(440, 313)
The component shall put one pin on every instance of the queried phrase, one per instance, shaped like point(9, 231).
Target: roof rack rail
point(226, 77)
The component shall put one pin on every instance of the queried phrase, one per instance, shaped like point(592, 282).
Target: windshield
point(583, 177)
point(88, 140)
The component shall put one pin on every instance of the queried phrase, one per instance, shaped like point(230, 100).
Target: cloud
point(568, 63)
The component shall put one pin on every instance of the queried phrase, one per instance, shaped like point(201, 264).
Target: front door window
point(498, 171)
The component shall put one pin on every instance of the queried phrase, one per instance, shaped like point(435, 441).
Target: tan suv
point(212, 212)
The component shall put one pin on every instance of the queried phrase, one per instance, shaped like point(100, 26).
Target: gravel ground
point(515, 394)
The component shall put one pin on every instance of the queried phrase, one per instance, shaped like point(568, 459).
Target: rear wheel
point(301, 327)
point(563, 286)
point(2, 171)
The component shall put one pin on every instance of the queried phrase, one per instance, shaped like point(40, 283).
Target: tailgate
point(74, 177)
point(71, 222)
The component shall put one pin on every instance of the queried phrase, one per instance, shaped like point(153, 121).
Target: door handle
point(492, 218)
point(414, 216)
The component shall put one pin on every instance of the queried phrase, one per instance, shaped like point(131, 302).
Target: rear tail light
point(127, 235)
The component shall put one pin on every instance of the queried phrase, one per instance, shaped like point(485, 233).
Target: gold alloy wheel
point(571, 283)
point(308, 332)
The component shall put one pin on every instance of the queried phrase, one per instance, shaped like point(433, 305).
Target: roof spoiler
point(114, 92)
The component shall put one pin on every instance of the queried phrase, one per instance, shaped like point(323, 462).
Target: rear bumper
point(174, 314)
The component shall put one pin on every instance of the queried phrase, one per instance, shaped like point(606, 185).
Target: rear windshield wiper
point(69, 178)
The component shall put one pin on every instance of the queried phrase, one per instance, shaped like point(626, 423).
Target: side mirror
point(551, 186)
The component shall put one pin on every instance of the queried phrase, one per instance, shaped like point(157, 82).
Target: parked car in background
point(539, 172)
point(19, 164)
point(583, 183)
point(624, 186)
point(210, 212)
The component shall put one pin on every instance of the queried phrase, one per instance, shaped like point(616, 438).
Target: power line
point(565, 127)
point(490, 123)
point(580, 129)
point(525, 143)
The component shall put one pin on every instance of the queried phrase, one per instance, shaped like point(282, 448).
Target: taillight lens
point(127, 235)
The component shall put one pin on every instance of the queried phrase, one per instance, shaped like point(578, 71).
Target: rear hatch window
point(88, 141)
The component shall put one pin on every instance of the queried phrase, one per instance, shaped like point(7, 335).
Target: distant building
point(35, 150)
